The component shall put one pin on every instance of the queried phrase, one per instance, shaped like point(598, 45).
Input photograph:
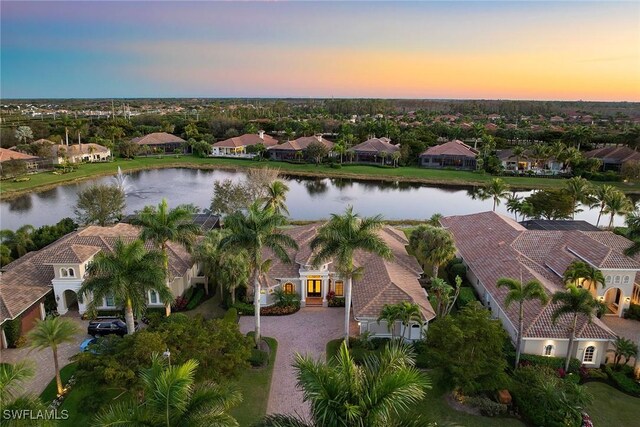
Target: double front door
point(314, 287)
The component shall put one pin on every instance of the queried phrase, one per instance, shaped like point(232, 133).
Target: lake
point(308, 198)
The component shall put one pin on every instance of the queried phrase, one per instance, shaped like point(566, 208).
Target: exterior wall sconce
point(627, 299)
point(57, 297)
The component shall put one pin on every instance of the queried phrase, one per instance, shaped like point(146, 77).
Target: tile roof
point(246, 140)
point(376, 145)
point(302, 143)
point(494, 246)
point(157, 138)
point(77, 150)
point(28, 278)
point(614, 154)
point(6, 154)
point(451, 148)
point(382, 282)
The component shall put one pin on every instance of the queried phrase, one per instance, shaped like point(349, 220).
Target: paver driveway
point(305, 332)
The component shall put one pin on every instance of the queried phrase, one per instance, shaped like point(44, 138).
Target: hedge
point(486, 406)
point(195, 300)
point(622, 380)
point(245, 309)
point(552, 362)
point(633, 312)
point(465, 296)
point(336, 302)
point(12, 331)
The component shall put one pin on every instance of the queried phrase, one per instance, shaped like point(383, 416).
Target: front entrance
point(613, 301)
point(70, 300)
point(314, 287)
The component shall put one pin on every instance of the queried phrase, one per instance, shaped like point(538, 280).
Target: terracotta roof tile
point(6, 154)
point(376, 145)
point(247, 139)
point(157, 138)
point(451, 148)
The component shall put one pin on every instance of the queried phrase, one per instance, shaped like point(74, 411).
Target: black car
point(106, 327)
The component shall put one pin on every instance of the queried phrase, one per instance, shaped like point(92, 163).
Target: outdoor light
point(627, 299)
point(167, 355)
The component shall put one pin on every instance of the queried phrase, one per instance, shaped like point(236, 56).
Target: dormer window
point(625, 280)
point(72, 272)
point(64, 272)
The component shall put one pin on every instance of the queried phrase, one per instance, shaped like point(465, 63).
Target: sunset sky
point(506, 50)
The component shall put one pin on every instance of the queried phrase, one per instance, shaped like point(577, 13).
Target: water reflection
point(20, 204)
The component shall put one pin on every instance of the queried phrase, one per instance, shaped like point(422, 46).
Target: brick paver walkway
point(42, 360)
point(305, 332)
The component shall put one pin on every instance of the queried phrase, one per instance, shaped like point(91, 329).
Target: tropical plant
point(580, 191)
point(578, 273)
point(23, 134)
point(432, 246)
point(253, 232)
point(624, 348)
point(341, 393)
point(233, 272)
point(390, 314)
point(19, 241)
point(100, 204)
point(617, 204)
point(409, 313)
point(12, 378)
point(495, 189)
point(276, 197)
point(5, 255)
point(339, 239)
point(520, 293)
point(601, 194)
point(572, 303)
point(51, 333)
point(127, 274)
point(171, 398)
point(445, 295)
point(633, 232)
point(514, 205)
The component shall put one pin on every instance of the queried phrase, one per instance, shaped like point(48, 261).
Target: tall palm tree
point(342, 393)
point(233, 272)
point(276, 197)
point(495, 189)
point(409, 312)
point(578, 273)
point(208, 253)
point(520, 293)
point(18, 241)
point(518, 152)
point(390, 314)
point(171, 398)
point(579, 190)
point(617, 204)
point(433, 246)
point(252, 232)
point(50, 333)
point(601, 194)
point(514, 205)
point(339, 239)
point(624, 348)
point(572, 302)
point(128, 274)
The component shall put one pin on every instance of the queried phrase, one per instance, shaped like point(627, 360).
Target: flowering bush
point(561, 372)
point(179, 304)
point(586, 420)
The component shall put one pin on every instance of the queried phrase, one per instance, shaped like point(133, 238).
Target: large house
point(237, 146)
point(527, 162)
point(452, 154)
point(30, 162)
point(163, 142)
point(613, 158)
point(291, 150)
point(493, 246)
point(383, 281)
point(375, 150)
point(79, 153)
point(61, 268)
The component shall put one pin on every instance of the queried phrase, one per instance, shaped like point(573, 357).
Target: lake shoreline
point(287, 169)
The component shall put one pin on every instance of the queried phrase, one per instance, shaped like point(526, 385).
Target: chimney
point(261, 134)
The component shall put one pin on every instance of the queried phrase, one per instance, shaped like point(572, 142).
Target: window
point(339, 288)
point(72, 273)
point(110, 301)
point(153, 297)
point(616, 280)
point(607, 280)
point(589, 354)
point(63, 272)
point(625, 280)
point(288, 288)
point(548, 350)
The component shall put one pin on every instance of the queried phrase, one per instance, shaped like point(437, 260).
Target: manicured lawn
point(254, 385)
point(50, 392)
point(408, 173)
point(612, 408)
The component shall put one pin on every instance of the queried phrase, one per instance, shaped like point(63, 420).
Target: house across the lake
point(294, 150)
point(375, 150)
point(452, 154)
point(613, 157)
point(527, 162)
point(162, 142)
point(493, 246)
point(238, 145)
point(383, 281)
point(79, 153)
point(30, 162)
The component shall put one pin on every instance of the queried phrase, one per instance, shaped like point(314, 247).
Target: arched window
point(72, 272)
point(589, 354)
point(625, 280)
point(64, 273)
point(616, 280)
point(607, 280)
point(289, 288)
point(548, 350)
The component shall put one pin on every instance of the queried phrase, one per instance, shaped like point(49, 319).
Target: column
point(303, 291)
point(325, 289)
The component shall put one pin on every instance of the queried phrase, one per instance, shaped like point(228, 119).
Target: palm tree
point(580, 191)
point(572, 302)
point(578, 272)
point(409, 313)
point(342, 393)
point(208, 253)
point(624, 348)
point(495, 189)
point(339, 239)
point(396, 157)
point(12, 378)
point(601, 194)
point(233, 272)
point(518, 152)
point(432, 245)
point(514, 205)
point(19, 241)
point(519, 293)
point(633, 232)
point(171, 398)
point(276, 197)
point(390, 314)
point(128, 274)
point(617, 204)
point(252, 232)
point(50, 333)
point(23, 133)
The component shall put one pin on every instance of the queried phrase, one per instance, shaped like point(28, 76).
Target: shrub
point(458, 269)
point(243, 308)
point(231, 315)
point(336, 166)
point(422, 359)
point(284, 299)
point(554, 363)
point(465, 297)
point(196, 299)
point(336, 302)
point(633, 312)
point(275, 310)
point(486, 406)
point(596, 374)
point(623, 380)
point(12, 330)
point(258, 358)
point(180, 304)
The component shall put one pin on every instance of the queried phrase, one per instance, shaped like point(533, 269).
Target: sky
point(463, 50)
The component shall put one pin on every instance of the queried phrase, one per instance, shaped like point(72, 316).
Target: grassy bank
point(47, 180)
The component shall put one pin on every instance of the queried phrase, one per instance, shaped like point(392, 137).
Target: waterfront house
point(452, 154)
point(612, 157)
point(527, 162)
point(7, 155)
point(237, 146)
point(79, 153)
point(294, 150)
point(492, 246)
point(382, 282)
point(375, 150)
point(162, 142)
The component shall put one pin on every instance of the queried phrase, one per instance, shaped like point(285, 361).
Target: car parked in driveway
point(99, 328)
point(84, 346)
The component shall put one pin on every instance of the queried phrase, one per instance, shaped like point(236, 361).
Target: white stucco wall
point(537, 347)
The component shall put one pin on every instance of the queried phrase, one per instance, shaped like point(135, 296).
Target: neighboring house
point(78, 153)
point(294, 149)
point(62, 266)
point(493, 246)
point(383, 281)
point(375, 150)
point(613, 158)
point(162, 142)
point(31, 162)
point(237, 146)
point(453, 154)
point(527, 162)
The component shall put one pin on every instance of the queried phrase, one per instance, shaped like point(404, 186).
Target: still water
point(308, 198)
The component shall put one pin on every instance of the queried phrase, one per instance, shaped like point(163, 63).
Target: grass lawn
point(407, 173)
point(50, 392)
point(612, 408)
point(255, 385)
